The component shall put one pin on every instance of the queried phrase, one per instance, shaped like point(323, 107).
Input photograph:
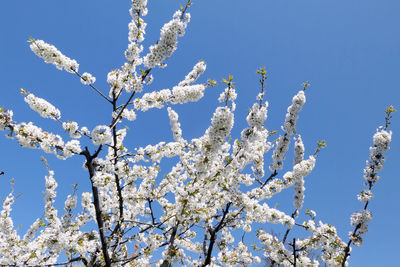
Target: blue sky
point(348, 50)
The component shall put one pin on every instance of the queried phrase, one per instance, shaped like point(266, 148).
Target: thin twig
point(94, 88)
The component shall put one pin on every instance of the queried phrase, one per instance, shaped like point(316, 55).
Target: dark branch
point(213, 235)
point(96, 202)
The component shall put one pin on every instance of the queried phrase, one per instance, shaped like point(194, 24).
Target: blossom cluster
point(55, 236)
point(175, 125)
point(72, 128)
point(257, 116)
point(290, 178)
point(277, 252)
point(359, 219)
point(6, 120)
point(253, 144)
point(101, 135)
point(168, 40)
point(41, 106)
point(324, 237)
point(30, 135)
point(51, 54)
point(381, 140)
point(87, 78)
point(282, 145)
point(298, 150)
point(129, 114)
point(299, 182)
point(178, 95)
point(192, 76)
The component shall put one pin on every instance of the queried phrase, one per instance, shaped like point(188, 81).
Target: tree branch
point(94, 88)
point(213, 234)
point(117, 180)
point(96, 202)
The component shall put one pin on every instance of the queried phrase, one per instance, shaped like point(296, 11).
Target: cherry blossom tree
point(195, 214)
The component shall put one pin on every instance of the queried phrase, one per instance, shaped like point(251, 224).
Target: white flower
point(360, 217)
point(298, 150)
point(29, 135)
point(130, 115)
point(87, 78)
point(168, 40)
point(85, 130)
point(50, 54)
point(72, 128)
point(247, 228)
point(365, 196)
point(175, 125)
point(228, 95)
point(190, 93)
point(114, 78)
point(198, 69)
point(41, 106)
point(133, 51)
point(72, 147)
point(139, 5)
point(382, 140)
point(257, 115)
point(101, 135)
point(222, 123)
point(5, 119)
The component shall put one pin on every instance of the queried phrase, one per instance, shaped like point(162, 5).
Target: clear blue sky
point(349, 50)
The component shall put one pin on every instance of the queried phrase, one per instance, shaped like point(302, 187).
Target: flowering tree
point(195, 214)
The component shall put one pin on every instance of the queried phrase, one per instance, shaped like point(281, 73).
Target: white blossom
point(29, 135)
point(87, 78)
point(228, 95)
point(190, 93)
point(168, 40)
point(282, 144)
point(175, 125)
point(41, 106)
point(257, 115)
point(51, 54)
point(6, 119)
point(85, 130)
point(101, 135)
point(381, 141)
point(72, 147)
point(222, 123)
point(365, 196)
point(298, 150)
point(361, 217)
point(129, 114)
point(72, 128)
point(198, 69)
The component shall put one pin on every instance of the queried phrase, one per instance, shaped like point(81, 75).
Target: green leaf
point(261, 71)
point(305, 85)
point(390, 109)
point(211, 83)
